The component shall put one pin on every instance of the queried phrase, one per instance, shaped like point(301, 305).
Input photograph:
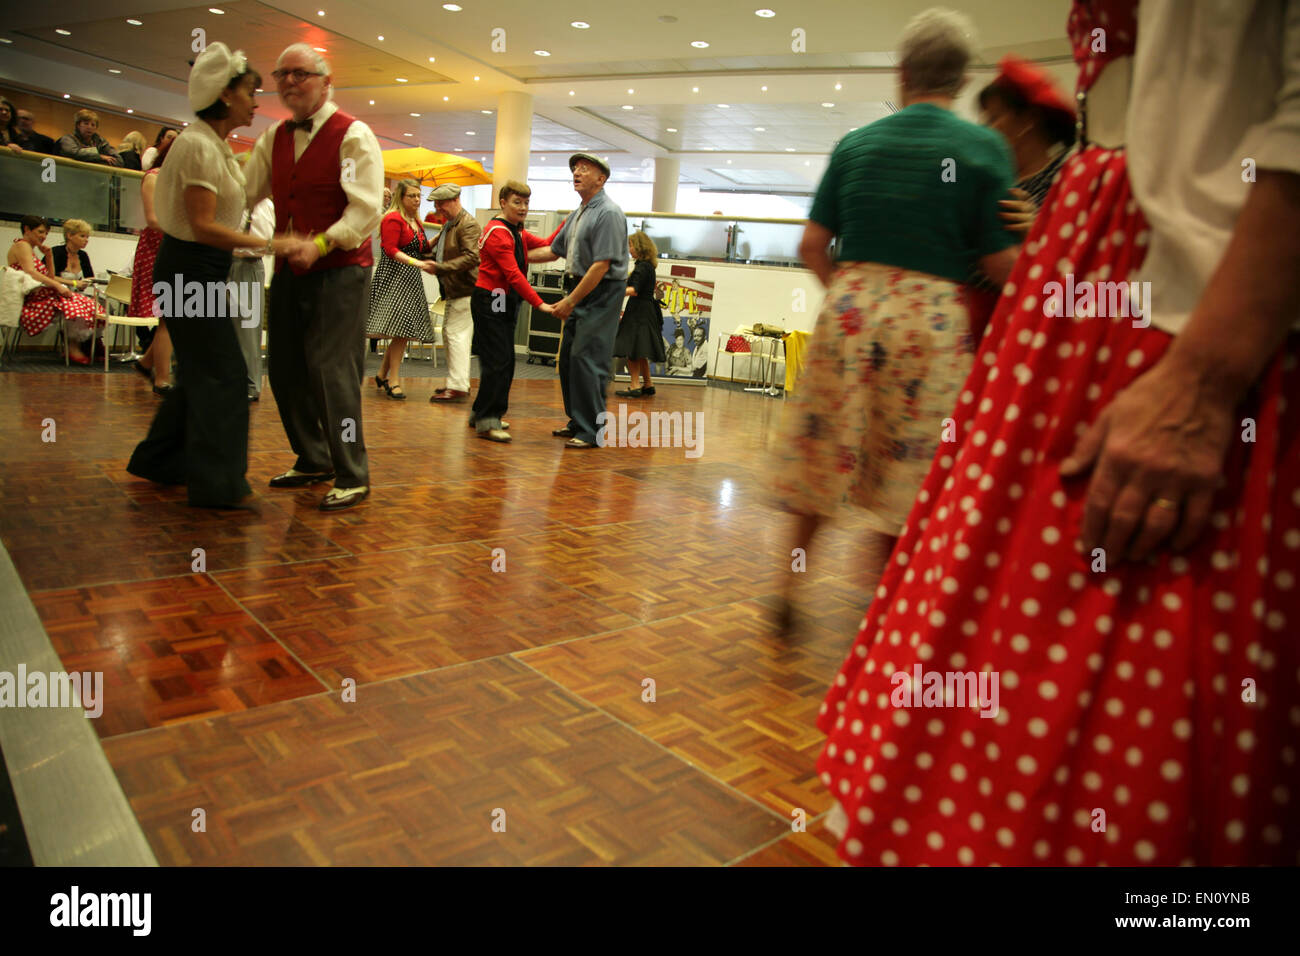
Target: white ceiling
point(579, 91)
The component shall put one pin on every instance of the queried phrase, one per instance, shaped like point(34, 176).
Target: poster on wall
point(688, 308)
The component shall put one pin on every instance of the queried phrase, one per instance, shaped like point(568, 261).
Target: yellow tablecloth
point(796, 349)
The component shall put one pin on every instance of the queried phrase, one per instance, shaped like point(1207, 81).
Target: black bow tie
point(305, 125)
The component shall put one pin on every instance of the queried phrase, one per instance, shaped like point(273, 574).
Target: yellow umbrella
point(430, 168)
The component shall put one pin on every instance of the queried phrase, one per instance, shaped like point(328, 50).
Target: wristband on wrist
point(323, 244)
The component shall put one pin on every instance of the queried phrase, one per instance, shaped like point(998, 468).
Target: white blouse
point(198, 157)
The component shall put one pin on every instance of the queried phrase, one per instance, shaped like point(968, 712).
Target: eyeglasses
point(298, 76)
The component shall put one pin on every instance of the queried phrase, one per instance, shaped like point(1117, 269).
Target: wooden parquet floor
point(454, 673)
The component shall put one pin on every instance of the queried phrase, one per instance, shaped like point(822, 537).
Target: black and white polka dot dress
point(399, 308)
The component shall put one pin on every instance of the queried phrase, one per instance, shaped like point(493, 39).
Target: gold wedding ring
point(1168, 504)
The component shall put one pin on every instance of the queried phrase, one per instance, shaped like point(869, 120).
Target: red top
point(395, 233)
point(308, 193)
point(497, 267)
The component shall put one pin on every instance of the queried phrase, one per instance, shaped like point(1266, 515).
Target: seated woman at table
point(70, 259)
point(29, 254)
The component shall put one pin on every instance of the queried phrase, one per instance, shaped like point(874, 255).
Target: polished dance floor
point(456, 672)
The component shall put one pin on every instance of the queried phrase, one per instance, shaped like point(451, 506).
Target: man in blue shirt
point(593, 243)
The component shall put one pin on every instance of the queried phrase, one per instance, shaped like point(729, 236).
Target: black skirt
point(639, 334)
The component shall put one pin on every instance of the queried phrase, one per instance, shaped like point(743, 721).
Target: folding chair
point(119, 290)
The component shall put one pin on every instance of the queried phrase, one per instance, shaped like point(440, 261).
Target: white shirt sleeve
point(363, 181)
point(263, 224)
point(197, 164)
point(257, 171)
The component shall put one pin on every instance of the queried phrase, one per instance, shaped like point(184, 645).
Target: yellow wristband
point(323, 244)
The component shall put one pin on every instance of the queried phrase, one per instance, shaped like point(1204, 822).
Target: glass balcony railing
point(59, 189)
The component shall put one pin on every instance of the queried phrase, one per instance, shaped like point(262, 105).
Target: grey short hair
point(935, 50)
point(318, 61)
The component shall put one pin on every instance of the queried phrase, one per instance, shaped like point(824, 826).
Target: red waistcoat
point(308, 194)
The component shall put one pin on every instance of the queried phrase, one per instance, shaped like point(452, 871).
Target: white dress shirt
point(199, 157)
point(1215, 83)
point(365, 191)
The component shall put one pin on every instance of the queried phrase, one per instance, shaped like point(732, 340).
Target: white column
point(514, 140)
point(667, 172)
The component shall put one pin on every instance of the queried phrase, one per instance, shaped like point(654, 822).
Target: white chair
point(119, 290)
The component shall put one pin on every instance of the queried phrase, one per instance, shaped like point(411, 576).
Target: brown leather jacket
point(458, 271)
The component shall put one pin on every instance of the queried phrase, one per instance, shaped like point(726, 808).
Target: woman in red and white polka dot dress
point(29, 254)
point(1139, 604)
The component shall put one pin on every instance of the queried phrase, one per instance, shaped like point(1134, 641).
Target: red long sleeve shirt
point(395, 232)
point(497, 268)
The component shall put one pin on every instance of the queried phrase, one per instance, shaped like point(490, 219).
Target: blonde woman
point(72, 265)
point(399, 309)
point(131, 152)
point(640, 338)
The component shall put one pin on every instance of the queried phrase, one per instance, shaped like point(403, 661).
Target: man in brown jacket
point(456, 266)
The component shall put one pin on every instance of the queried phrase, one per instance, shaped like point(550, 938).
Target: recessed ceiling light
point(807, 162)
point(433, 59)
point(789, 149)
point(765, 13)
point(408, 134)
point(470, 132)
point(542, 52)
point(630, 91)
point(708, 148)
point(446, 99)
point(486, 112)
point(5, 40)
point(416, 115)
point(453, 7)
point(217, 10)
point(320, 13)
point(728, 162)
point(570, 92)
point(400, 79)
point(695, 89)
point(580, 25)
point(723, 106)
point(130, 110)
point(699, 44)
point(372, 102)
point(63, 33)
point(760, 129)
point(476, 79)
point(667, 19)
point(111, 70)
point(320, 49)
point(627, 107)
point(828, 105)
point(186, 123)
point(543, 159)
point(381, 36)
point(672, 129)
point(67, 96)
point(460, 149)
point(136, 23)
point(839, 86)
point(763, 89)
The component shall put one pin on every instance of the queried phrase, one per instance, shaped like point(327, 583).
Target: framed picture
point(688, 310)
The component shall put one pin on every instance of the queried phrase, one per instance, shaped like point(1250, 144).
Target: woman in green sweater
point(912, 202)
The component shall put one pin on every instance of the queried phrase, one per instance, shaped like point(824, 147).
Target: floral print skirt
point(888, 357)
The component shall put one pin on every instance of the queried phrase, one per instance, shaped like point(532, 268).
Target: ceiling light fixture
point(828, 105)
point(433, 59)
point(760, 129)
point(372, 102)
point(765, 13)
point(446, 99)
point(129, 110)
point(217, 10)
point(408, 134)
point(320, 49)
point(400, 79)
point(416, 115)
point(570, 92)
point(111, 70)
point(67, 96)
point(5, 40)
point(699, 44)
point(580, 25)
point(630, 91)
point(453, 7)
point(763, 89)
point(63, 33)
point(723, 106)
point(695, 89)
point(789, 149)
point(672, 129)
point(320, 13)
point(381, 36)
point(542, 52)
point(839, 86)
point(476, 79)
point(136, 23)
point(627, 107)
point(470, 132)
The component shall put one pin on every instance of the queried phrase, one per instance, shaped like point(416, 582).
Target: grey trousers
point(248, 328)
point(586, 356)
point(316, 349)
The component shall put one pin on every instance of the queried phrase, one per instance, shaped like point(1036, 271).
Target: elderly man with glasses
point(324, 172)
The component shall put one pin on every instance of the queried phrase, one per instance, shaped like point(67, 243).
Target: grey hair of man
point(936, 47)
point(318, 61)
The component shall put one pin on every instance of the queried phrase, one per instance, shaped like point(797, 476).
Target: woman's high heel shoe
point(381, 383)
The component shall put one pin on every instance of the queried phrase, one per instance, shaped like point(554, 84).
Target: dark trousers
point(586, 354)
point(199, 437)
point(494, 344)
point(316, 350)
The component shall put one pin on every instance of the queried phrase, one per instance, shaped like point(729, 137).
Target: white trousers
point(458, 333)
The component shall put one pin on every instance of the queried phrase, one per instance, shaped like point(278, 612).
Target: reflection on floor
point(457, 671)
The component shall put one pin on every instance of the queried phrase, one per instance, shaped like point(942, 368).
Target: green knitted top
point(918, 189)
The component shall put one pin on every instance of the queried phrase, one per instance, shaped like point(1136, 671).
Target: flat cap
point(594, 160)
point(445, 191)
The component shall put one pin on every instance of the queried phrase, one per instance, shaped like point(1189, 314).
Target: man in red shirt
point(494, 305)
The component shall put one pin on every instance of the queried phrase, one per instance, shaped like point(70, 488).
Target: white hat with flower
point(215, 67)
